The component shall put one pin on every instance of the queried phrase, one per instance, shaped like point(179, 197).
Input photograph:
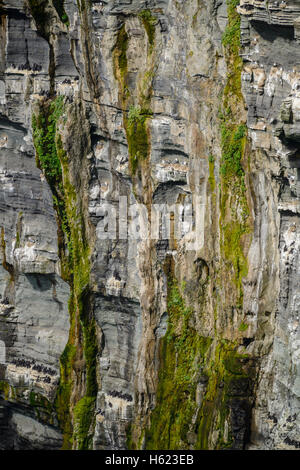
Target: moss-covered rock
point(149, 22)
point(74, 253)
point(198, 379)
point(234, 217)
point(137, 135)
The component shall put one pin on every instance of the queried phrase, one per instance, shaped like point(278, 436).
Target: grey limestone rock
point(98, 324)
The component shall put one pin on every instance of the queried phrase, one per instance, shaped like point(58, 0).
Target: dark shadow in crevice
point(270, 32)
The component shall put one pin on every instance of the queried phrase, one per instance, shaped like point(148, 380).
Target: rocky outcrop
point(122, 329)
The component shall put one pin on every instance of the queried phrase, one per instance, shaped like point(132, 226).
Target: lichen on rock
point(111, 112)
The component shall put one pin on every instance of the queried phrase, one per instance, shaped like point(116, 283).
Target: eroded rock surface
point(186, 341)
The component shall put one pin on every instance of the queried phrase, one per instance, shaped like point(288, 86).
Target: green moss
point(233, 253)
point(63, 395)
point(5, 389)
point(211, 178)
point(234, 207)
point(44, 132)
point(149, 22)
point(38, 400)
point(233, 138)
point(9, 391)
point(182, 352)
point(83, 417)
point(120, 60)
point(224, 370)
point(74, 254)
point(227, 370)
point(80, 313)
point(231, 36)
point(202, 379)
point(80, 302)
point(90, 342)
point(180, 420)
point(43, 407)
point(243, 326)
point(137, 135)
point(130, 444)
point(48, 157)
point(135, 120)
point(146, 89)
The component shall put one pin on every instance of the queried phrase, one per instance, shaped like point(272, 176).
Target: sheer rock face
point(145, 96)
point(270, 78)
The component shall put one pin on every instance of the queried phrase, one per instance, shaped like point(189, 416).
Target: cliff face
point(111, 112)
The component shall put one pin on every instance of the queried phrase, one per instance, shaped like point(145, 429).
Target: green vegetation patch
point(233, 201)
point(182, 352)
point(243, 326)
point(149, 22)
point(233, 142)
point(232, 249)
point(44, 133)
point(137, 135)
point(120, 61)
point(135, 119)
point(203, 380)
point(83, 417)
point(74, 253)
point(43, 407)
point(5, 389)
point(196, 382)
point(63, 394)
point(211, 178)
point(227, 372)
point(48, 157)
point(231, 36)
